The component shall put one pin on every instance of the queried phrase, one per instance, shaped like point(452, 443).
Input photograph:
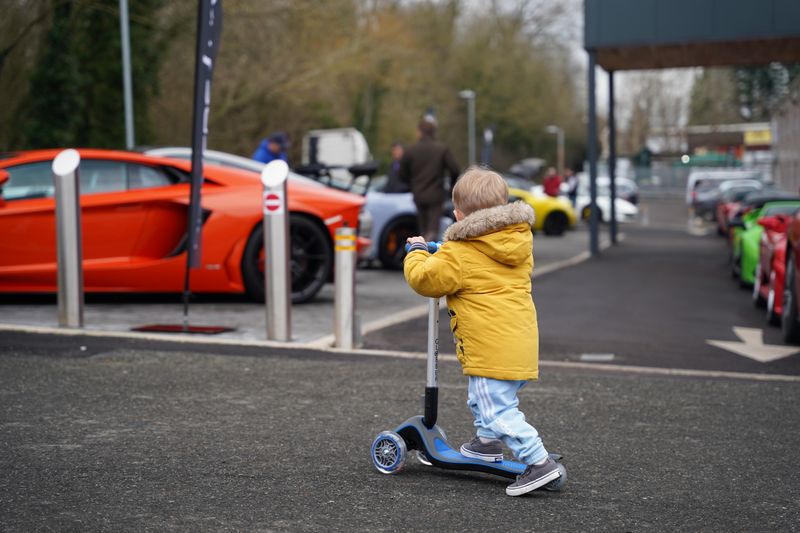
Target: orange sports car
point(134, 218)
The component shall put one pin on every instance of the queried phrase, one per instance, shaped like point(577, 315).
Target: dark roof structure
point(653, 34)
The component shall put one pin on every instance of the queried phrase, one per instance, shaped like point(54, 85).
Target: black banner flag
point(209, 31)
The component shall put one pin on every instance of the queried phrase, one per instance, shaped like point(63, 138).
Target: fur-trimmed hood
point(502, 232)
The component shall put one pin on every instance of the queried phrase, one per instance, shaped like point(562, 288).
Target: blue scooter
point(390, 448)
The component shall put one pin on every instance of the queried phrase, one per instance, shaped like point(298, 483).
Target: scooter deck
point(434, 444)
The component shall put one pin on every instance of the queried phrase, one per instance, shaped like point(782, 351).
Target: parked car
point(224, 159)
point(625, 211)
point(732, 193)
point(746, 244)
point(554, 216)
point(626, 188)
point(771, 268)
point(790, 314)
point(394, 219)
point(134, 217)
point(705, 178)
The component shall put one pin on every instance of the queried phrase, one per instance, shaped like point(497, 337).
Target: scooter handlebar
point(433, 246)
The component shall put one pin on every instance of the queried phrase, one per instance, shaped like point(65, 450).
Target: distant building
point(748, 143)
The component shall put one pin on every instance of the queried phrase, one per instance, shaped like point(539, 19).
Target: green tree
point(760, 88)
point(52, 113)
point(713, 98)
point(75, 96)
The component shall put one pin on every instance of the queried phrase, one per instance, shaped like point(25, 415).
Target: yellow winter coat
point(484, 268)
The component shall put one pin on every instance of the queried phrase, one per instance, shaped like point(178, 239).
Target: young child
point(484, 268)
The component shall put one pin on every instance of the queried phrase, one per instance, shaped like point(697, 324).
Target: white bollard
point(277, 275)
point(345, 288)
point(68, 236)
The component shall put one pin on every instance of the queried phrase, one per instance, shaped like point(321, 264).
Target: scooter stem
point(432, 383)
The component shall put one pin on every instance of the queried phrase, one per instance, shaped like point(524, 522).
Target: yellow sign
point(758, 138)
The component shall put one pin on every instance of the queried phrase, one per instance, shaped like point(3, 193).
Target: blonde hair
point(479, 188)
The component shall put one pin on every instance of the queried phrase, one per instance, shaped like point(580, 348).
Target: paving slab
point(379, 293)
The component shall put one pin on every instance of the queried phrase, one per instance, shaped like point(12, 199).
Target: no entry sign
point(273, 202)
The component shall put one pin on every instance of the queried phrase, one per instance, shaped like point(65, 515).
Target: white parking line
point(396, 354)
point(597, 357)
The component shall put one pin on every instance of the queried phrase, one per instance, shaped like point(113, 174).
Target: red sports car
point(732, 193)
point(771, 269)
point(134, 217)
point(790, 316)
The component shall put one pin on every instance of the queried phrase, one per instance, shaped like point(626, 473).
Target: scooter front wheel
point(389, 452)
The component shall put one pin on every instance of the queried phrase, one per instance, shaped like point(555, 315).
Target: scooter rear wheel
point(558, 484)
point(389, 452)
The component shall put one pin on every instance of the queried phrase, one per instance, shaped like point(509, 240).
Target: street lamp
point(469, 96)
point(127, 90)
point(559, 132)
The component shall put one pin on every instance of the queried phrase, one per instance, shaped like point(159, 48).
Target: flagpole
point(209, 26)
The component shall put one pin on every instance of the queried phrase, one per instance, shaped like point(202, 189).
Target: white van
point(720, 175)
point(339, 147)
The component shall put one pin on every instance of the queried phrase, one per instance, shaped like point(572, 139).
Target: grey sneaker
point(534, 477)
point(491, 451)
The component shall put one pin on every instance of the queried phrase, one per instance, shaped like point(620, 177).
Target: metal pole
point(471, 110)
point(433, 343)
point(488, 145)
point(68, 235)
point(345, 287)
point(127, 84)
point(561, 152)
point(591, 133)
point(612, 157)
point(277, 275)
point(432, 381)
point(469, 96)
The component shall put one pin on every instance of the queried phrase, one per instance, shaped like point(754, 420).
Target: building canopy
point(653, 34)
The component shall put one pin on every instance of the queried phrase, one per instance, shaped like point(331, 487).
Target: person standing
point(423, 168)
point(272, 148)
point(572, 186)
point(552, 183)
point(395, 184)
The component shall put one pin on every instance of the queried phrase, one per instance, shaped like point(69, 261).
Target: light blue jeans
point(493, 403)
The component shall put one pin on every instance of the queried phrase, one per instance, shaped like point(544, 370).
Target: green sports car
point(746, 238)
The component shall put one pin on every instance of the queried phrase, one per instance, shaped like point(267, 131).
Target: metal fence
point(667, 179)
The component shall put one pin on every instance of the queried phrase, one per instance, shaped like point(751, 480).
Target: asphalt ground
point(134, 436)
point(108, 434)
point(652, 300)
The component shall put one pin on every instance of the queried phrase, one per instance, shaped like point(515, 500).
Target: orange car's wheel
point(310, 262)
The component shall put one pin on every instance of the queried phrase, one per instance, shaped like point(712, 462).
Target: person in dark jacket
point(272, 148)
point(423, 167)
point(394, 183)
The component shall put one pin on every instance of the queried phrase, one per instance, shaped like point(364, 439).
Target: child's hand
point(412, 240)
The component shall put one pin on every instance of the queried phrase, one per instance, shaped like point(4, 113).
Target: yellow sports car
point(553, 215)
